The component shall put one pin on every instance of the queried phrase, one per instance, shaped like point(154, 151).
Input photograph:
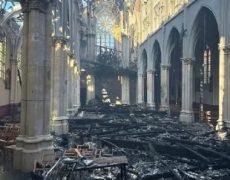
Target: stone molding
point(29, 5)
point(225, 48)
point(59, 40)
point(187, 60)
point(140, 75)
point(151, 71)
point(72, 56)
point(165, 66)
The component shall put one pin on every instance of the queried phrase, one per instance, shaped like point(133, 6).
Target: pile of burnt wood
point(132, 143)
point(157, 146)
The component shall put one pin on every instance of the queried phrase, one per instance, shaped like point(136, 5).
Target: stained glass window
point(104, 32)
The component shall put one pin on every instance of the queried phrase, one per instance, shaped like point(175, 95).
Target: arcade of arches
point(59, 55)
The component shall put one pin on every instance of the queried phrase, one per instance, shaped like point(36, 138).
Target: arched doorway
point(157, 75)
point(175, 72)
point(206, 67)
point(144, 70)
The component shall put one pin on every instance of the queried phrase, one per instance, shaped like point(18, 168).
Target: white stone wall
point(183, 19)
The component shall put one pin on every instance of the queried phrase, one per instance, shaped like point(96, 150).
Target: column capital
point(140, 74)
point(225, 48)
point(165, 66)
point(150, 71)
point(59, 40)
point(40, 5)
point(187, 60)
point(72, 56)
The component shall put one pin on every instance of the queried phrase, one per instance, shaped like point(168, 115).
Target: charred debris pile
point(151, 144)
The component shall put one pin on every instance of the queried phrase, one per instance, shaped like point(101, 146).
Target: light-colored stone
point(60, 125)
point(31, 149)
point(34, 141)
point(186, 114)
point(125, 95)
point(187, 117)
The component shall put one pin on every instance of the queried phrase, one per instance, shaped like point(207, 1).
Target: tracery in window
point(104, 32)
point(7, 6)
point(207, 65)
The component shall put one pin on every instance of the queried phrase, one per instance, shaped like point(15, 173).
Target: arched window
point(2, 57)
point(207, 65)
point(104, 31)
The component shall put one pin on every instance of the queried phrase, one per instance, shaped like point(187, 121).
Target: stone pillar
point(91, 46)
point(125, 95)
point(224, 87)
point(164, 88)
point(150, 90)
point(13, 83)
point(76, 86)
point(90, 81)
point(70, 88)
point(34, 140)
point(140, 89)
point(186, 114)
point(59, 123)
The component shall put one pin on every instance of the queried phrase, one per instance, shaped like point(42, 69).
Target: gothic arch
point(204, 48)
point(173, 40)
point(194, 32)
point(16, 10)
point(174, 53)
point(144, 62)
point(157, 73)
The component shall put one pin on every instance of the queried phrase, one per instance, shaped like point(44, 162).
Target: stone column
point(164, 88)
point(91, 41)
point(90, 81)
point(186, 114)
point(76, 86)
point(91, 53)
point(13, 83)
point(140, 89)
point(125, 95)
point(59, 123)
point(224, 86)
point(34, 140)
point(70, 89)
point(150, 90)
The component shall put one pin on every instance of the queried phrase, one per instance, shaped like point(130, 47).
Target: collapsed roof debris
point(127, 142)
point(155, 145)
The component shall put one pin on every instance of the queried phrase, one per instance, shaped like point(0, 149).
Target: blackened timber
point(118, 70)
point(155, 155)
point(211, 151)
point(156, 131)
point(194, 169)
point(125, 110)
point(161, 147)
point(198, 155)
point(189, 142)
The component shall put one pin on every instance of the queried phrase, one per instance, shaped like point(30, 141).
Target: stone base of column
point(222, 128)
point(151, 107)
point(60, 125)
point(186, 117)
point(72, 111)
point(222, 125)
point(31, 149)
point(164, 108)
